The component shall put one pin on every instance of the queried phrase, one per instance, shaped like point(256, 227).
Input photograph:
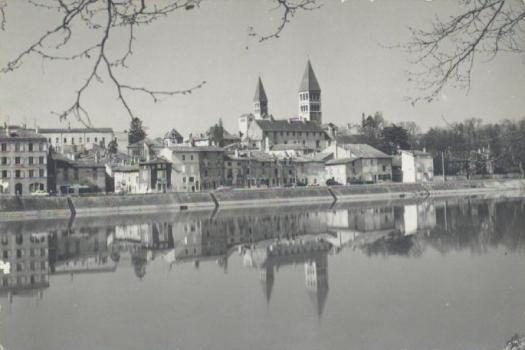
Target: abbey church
point(302, 132)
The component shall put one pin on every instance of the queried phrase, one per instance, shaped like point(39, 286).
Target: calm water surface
point(422, 275)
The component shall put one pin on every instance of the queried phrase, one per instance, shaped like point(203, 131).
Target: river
point(444, 274)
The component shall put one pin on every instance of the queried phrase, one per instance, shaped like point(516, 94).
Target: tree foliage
point(136, 131)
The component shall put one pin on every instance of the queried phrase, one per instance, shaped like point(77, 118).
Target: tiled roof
point(309, 81)
point(125, 168)
point(195, 149)
point(362, 150)
point(285, 125)
point(260, 94)
point(290, 147)
point(74, 130)
point(315, 158)
point(340, 161)
point(172, 134)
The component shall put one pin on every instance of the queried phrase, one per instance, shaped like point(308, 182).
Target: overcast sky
point(345, 41)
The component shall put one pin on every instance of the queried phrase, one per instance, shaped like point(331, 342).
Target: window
point(80, 139)
point(4, 147)
point(18, 174)
point(184, 179)
point(65, 140)
point(191, 179)
point(57, 140)
point(31, 173)
point(41, 146)
point(41, 172)
point(183, 157)
point(96, 139)
point(4, 160)
point(191, 157)
point(19, 253)
point(30, 147)
point(18, 160)
point(88, 139)
point(72, 140)
point(5, 174)
point(30, 160)
point(40, 160)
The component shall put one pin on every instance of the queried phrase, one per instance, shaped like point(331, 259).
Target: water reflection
point(267, 240)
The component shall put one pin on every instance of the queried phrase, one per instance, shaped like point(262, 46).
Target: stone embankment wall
point(32, 208)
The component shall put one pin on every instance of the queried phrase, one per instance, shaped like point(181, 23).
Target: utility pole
point(443, 166)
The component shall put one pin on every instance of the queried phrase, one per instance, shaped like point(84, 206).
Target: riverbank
point(37, 208)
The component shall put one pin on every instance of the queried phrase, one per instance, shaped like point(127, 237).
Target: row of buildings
point(266, 152)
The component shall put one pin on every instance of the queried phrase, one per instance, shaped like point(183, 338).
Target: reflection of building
point(310, 250)
point(413, 218)
point(27, 255)
point(316, 274)
point(80, 250)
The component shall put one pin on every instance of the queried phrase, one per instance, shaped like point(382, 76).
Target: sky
point(346, 41)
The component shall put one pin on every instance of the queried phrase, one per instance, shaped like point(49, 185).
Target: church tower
point(310, 96)
point(260, 101)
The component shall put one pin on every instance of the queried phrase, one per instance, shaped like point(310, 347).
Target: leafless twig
point(448, 51)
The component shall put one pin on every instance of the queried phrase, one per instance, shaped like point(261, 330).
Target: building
point(145, 149)
point(310, 169)
point(413, 166)
point(76, 139)
point(173, 137)
point(254, 168)
point(154, 176)
point(260, 129)
point(215, 136)
point(358, 163)
point(23, 161)
point(126, 178)
point(75, 176)
point(310, 97)
point(265, 133)
point(195, 168)
point(260, 101)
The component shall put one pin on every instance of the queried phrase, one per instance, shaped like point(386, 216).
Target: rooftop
point(19, 133)
point(362, 150)
point(286, 125)
point(73, 130)
point(309, 81)
point(260, 94)
point(195, 149)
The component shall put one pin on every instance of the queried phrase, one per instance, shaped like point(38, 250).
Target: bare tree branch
point(105, 17)
point(288, 8)
point(447, 53)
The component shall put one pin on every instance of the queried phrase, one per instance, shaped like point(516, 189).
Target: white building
point(76, 139)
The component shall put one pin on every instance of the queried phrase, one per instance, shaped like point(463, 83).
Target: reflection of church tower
point(267, 280)
point(310, 96)
point(316, 276)
point(260, 101)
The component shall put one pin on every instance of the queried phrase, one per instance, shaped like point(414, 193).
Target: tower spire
point(260, 101)
point(310, 96)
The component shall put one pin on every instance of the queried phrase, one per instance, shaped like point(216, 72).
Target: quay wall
point(34, 208)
